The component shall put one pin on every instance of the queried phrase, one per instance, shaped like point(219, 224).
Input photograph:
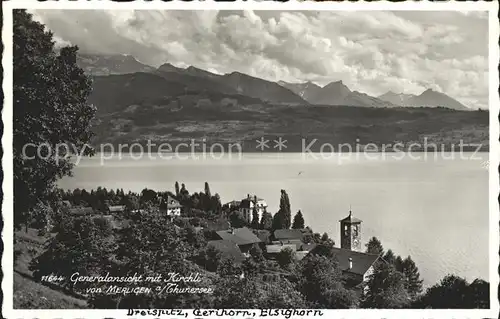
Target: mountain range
point(120, 68)
point(137, 103)
point(429, 98)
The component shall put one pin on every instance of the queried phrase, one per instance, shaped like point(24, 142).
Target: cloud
point(372, 52)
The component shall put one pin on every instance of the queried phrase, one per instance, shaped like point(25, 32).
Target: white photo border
point(494, 133)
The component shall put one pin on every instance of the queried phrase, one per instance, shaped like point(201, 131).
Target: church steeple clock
point(350, 233)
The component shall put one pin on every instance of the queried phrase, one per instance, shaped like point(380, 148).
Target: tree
point(256, 253)
point(285, 210)
point(398, 263)
point(237, 221)
point(374, 246)
point(81, 245)
point(266, 221)
point(325, 240)
point(413, 281)
point(42, 215)
point(51, 113)
point(255, 219)
point(320, 281)
point(210, 258)
point(149, 246)
point(285, 257)
point(390, 257)
point(207, 190)
point(278, 221)
point(228, 268)
point(385, 289)
point(454, 292)
point(177, 190)
point(298, 221)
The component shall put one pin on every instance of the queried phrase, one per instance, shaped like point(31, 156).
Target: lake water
point(435, 210)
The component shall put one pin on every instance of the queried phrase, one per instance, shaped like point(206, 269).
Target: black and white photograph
point(251, 162)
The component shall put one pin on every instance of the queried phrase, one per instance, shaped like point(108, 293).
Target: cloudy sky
point(371, 52)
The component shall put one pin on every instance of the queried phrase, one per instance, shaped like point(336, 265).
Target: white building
point(247, 205)
point(171, 207)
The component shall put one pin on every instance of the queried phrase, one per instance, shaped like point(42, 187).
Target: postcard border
point(494, 153)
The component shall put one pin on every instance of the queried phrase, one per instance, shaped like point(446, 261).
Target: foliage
point(374, 246)
point(177, 189)
point(298, 221)
point(320, 280)
point(266, 221)
point(385, 289)
point(255, 218)
point(454, 292)
point(285, 258)
point(285, 209)
point(237, 221)
point(82, 246)
point(50, 108)
point(390, 257)
point(210, 258)
point(413, 281)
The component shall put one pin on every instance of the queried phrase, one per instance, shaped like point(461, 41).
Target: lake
point(435, 210)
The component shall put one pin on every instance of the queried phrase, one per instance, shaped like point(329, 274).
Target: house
point(288, 236)
point(228, 249)
point(274, 249)
point(304, 249)
point(66, 204)
point(356, 265)
point(116, 224)
point(171, 206)
point(247, 205)
point(81, 211)
point(116, 209)
point(264, 235)
point(233, 204)
point(243, 237)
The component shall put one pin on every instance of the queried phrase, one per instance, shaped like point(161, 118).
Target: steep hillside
point(116, 92)
point(262, 89)
point(433, 98)
point(95, 64)
point(428, 98)
point(307, 90)
point(400, 99)
point(334, 93)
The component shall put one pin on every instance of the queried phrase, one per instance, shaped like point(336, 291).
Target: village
point(236, 242)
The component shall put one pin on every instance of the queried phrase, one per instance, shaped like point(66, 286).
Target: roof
point(307, 247)
point(228, 249)
point(233, 203)
point(66, 203)
point(116, 208)
point(350, 219)
point(283, 234)
point(274, 249)
point(361, 262)
point(245, 203)
point(81, 211)
point(172, 203)
point(239, 236)
point(263, 235)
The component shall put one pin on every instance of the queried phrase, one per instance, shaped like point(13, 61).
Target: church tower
point(350, 233)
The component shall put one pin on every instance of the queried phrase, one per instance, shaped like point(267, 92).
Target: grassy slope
point(238, 119)
point(29, 294)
